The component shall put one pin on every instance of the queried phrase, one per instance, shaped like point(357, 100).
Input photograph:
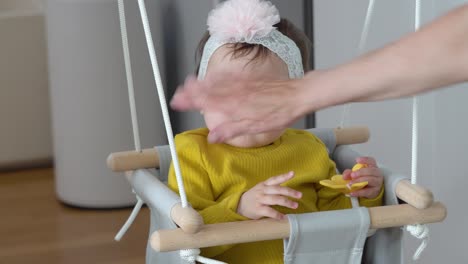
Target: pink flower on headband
point(242, 20)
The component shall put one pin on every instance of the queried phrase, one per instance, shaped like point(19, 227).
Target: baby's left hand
point(371, 174)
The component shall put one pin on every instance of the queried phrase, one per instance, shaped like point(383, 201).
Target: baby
point(247, 177)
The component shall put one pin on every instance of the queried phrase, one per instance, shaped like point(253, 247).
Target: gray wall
point(442, 142)
point(184, 24)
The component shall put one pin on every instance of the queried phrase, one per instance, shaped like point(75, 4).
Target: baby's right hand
point(256, 202)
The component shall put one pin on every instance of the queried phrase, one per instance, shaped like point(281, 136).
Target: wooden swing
point(420, 207)
point(192, 233)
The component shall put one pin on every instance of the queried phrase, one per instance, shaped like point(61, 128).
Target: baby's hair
point(244, 49)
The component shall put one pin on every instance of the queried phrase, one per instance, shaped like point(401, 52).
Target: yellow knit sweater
point(216, 175)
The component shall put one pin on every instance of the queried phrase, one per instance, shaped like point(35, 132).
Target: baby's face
point(269, 68)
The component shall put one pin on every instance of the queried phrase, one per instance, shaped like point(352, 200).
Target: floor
point(36, 228)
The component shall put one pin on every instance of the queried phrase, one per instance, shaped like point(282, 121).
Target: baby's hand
point(371, 174)
point(256, 202)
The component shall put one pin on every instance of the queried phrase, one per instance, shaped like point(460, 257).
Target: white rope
point(354, 202)
point(418, 231)
point(361, 47)
point(414, 142)
point(162, 100)
point(365, 30)
point(209, 261)
point(128, 71)
point(130, 220)
point(417, 15)
point(189, 255)
point(131, 96)
point(193, 255)
point(415, 139)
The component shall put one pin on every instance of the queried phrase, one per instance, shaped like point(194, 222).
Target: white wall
point(442, 138)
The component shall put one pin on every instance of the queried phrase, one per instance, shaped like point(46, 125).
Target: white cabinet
point(89, 98)
point(24, 99)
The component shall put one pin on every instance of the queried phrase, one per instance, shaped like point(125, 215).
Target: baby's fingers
point(369, 193)
point(370, 171)
point(277, 180)
point(347, 174)
point(372, 181)
point(277, 200)
point(267, 211)
point(282, 190)
point(367, 160)
point(372, 189)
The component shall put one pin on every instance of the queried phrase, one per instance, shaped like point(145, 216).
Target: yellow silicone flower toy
point(338, 183)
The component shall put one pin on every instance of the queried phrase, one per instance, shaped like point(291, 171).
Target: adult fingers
point(228, 130)
point(192, 95)
point(277, 180)
point(182, 100)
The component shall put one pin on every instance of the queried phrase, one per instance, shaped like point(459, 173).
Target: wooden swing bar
point(270, 229)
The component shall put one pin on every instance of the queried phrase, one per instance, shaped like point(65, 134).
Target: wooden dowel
point(148, 158)
point(187, 218)
point(405, 214)
point(414, 194)
point(132, 160)
point(269, 229)
point(220, 234)
point(351, 135)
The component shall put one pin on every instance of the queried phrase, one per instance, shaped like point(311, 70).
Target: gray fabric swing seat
point(340, 236)
point(328, 237)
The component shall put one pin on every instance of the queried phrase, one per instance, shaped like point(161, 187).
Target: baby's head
point(247, 38)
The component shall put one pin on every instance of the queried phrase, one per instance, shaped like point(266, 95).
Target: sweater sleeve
point(198, 188)
point(329, 199)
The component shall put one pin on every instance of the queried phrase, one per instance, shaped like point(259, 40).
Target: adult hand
point(252, 106)
point(256, 202)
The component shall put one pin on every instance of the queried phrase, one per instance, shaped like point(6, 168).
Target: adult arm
point(433, 57)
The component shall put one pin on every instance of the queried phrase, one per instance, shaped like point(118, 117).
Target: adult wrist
point(316, 91)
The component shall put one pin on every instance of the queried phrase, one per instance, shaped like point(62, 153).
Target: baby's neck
point(254, 141)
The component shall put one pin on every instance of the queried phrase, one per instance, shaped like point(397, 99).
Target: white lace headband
point(250, 21)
